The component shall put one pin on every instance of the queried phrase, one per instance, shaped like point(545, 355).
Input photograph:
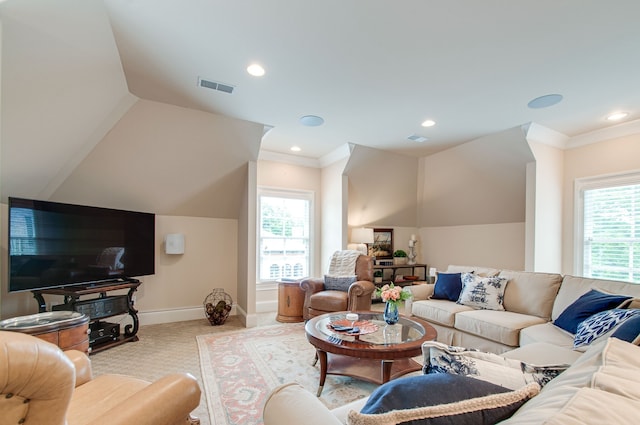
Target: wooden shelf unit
point(394, 272)
point(72, 302)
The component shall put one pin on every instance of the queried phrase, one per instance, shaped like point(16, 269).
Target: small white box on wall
point(174, 243)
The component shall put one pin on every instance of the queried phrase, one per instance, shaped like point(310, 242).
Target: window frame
point(301, 194)
point(590, 183)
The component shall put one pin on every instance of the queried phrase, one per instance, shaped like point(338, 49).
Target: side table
point(290, 301)
point(69, 330)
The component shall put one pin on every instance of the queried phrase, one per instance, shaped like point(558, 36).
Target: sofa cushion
point(448, 286)
point(543, 353)
point(629, 331)
point(500, 326)
point(546, 332)
point(480, 271)
point(600, 324)
point(338, 283)
point(467, 401)
point(486, 293)
point(593, 406)
point(288, 403)
point(499, 370)
point(573, 287)
point(587, 305)
point(438, 311)
point(560, 391)
point(531, 293)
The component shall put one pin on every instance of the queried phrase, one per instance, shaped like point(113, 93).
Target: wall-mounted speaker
point(174, 243)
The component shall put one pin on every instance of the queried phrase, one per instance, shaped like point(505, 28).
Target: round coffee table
point(380, 353)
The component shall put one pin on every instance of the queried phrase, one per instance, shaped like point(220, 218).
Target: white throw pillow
point(485, 293)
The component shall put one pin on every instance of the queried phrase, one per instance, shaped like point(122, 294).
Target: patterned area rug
point(240, 368)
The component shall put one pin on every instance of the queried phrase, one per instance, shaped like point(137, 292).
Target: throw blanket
point(343, 263)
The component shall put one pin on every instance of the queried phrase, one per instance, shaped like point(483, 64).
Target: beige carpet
point(240, 369)
point(167, 348)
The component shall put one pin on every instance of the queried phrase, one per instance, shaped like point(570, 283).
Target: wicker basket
point(217, 306)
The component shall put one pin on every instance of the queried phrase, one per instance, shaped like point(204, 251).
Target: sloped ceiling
point(72, 132)
point(62, 89)
point(478, 182)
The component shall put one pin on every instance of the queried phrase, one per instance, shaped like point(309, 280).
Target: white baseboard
point(267, 306)
point(174, 315)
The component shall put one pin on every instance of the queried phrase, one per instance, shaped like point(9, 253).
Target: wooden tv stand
point(98, 308)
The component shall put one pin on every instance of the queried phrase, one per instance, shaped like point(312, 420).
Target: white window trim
point(285, 193)
point(589, 183)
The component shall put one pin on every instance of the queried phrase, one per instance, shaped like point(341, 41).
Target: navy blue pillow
point(586, 306)
point(448, 286)
point(629, 330)
point(443, 390)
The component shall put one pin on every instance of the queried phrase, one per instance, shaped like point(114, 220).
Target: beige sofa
point(602, 386)
point(532, 301)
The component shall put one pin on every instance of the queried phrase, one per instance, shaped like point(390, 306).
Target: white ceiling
point(375, 69)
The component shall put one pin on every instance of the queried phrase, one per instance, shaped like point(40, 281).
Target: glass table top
point(373, 329)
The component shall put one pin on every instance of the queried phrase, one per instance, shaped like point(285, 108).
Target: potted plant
point(377, 276)
point(399, 257)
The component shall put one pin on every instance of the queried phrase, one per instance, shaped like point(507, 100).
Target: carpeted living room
point(165, 164)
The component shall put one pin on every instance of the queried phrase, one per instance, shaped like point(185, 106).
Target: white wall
point(334, 200)
point(547, 209)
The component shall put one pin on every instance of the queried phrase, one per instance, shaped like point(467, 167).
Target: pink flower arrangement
point(391, 293)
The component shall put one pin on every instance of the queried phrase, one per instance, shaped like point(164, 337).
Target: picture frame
point(382, 246)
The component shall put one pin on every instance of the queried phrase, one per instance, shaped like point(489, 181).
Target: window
point(22, 232)
point(608, 227)
point(285, 223)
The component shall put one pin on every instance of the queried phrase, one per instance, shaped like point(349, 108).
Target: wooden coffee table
point(378, 356)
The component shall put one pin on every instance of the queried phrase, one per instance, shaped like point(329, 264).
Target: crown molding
point(613, 132)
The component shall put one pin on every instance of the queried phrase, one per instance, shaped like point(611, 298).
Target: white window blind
point(284, 234)
point(611, 228)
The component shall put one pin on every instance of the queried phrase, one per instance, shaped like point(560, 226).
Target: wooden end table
point(377, 357)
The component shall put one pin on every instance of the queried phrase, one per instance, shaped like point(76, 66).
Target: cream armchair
point(40, 384)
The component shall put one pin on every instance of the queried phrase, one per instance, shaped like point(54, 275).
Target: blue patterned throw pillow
point(338, 283)
point(599, 324)
point(486, 293)
point(586, 306)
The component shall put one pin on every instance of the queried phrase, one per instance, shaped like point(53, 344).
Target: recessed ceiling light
point(295, 148)
point(428, 123)
point(617, 116)
point(545, 101)
point(311, 120)
point(255, 70)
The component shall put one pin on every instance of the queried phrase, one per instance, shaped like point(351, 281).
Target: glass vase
point(391, 314)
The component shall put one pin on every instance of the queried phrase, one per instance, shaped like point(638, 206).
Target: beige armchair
point(40, 384)
point(319, 301)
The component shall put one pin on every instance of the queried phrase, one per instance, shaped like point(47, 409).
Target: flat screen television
point(53, 244)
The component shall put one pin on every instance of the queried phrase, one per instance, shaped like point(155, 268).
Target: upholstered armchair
point(40, 384)
point(357, 297)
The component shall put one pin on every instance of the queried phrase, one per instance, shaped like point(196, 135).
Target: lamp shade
point(362, 235)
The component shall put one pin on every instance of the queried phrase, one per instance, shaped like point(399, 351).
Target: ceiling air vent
point(215, 85)
point(417, 138)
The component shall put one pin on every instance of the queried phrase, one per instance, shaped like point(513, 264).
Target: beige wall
point(181, 282)
point(490, 245)
point(279, 175)
point(608, 157)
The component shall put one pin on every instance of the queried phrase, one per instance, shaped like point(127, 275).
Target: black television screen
point(53, 244)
